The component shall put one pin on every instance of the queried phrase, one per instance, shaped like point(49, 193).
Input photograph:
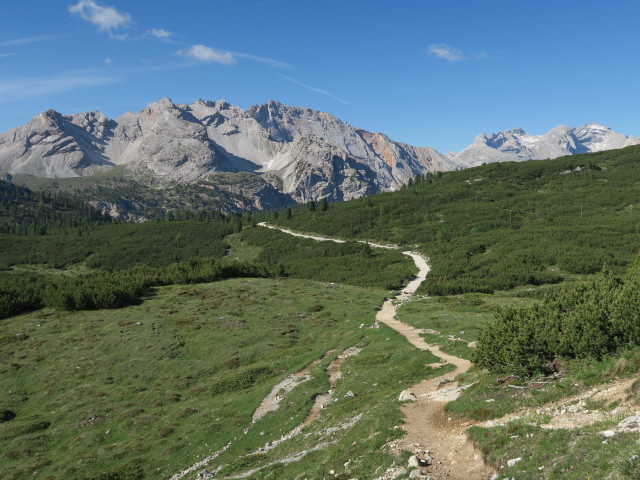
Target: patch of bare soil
point(321, 401)
point(580, 410)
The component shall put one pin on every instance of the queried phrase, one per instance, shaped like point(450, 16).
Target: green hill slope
point(502, 225)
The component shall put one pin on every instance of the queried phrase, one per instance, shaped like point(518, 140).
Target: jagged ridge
point(308, 154)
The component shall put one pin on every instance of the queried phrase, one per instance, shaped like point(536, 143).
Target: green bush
point(592, 320)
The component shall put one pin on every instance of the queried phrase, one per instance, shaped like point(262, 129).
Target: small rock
point(407, 396)
point(495, 476)
point(608, 433)
point(490, 400)
point(513, 461)
point(331, 472)
point(415, 461)
point(349, 394)
point(416, 474)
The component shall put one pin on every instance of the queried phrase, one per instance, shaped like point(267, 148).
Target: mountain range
point(276, 154)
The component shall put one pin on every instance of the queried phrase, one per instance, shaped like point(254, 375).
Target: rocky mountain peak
point(51, 118)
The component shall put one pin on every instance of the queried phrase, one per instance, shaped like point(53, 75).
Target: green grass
point(581, 374)
point(579, 454)
point(361, 447)
point(459, 319)
point(161, 384)
point(240, 250)
point(152, 389)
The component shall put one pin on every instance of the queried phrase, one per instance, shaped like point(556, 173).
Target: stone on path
point(407, 396)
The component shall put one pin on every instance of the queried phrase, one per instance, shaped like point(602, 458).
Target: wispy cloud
point(450, 54)
point(444, 51)
point(314, 89)
point(46, 37)
point(107, 19)
point(267, 61)
point(2, 55)
point(159, 33)
point(23, 88)
point(207, 54)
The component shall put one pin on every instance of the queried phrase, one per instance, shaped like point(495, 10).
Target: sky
point(427, 73)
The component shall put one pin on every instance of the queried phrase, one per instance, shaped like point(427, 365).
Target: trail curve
point(427, 426)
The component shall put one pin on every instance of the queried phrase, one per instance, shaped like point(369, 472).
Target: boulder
point(407, 396)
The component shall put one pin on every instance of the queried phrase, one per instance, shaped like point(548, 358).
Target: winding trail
point(427, 426)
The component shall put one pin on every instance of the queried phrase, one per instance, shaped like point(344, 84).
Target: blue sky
point(423, 72)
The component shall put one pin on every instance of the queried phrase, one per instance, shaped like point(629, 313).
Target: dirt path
point(324, 239)
point(427, 426)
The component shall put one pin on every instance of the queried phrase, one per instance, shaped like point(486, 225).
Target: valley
point(277, 240)
point(320, 347)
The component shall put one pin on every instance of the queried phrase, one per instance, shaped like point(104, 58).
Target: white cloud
point(2, 55)
point(159, 33)
point(207, 54)
point(108, 61)
point(106, 19)
point(314, 89)
point(22, 88)
point(444, 51)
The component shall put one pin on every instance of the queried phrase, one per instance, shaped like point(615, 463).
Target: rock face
point(303, 153)
point(517, 145)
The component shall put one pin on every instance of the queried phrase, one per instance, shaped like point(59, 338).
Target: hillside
point(23, 211)
point(503, 225)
